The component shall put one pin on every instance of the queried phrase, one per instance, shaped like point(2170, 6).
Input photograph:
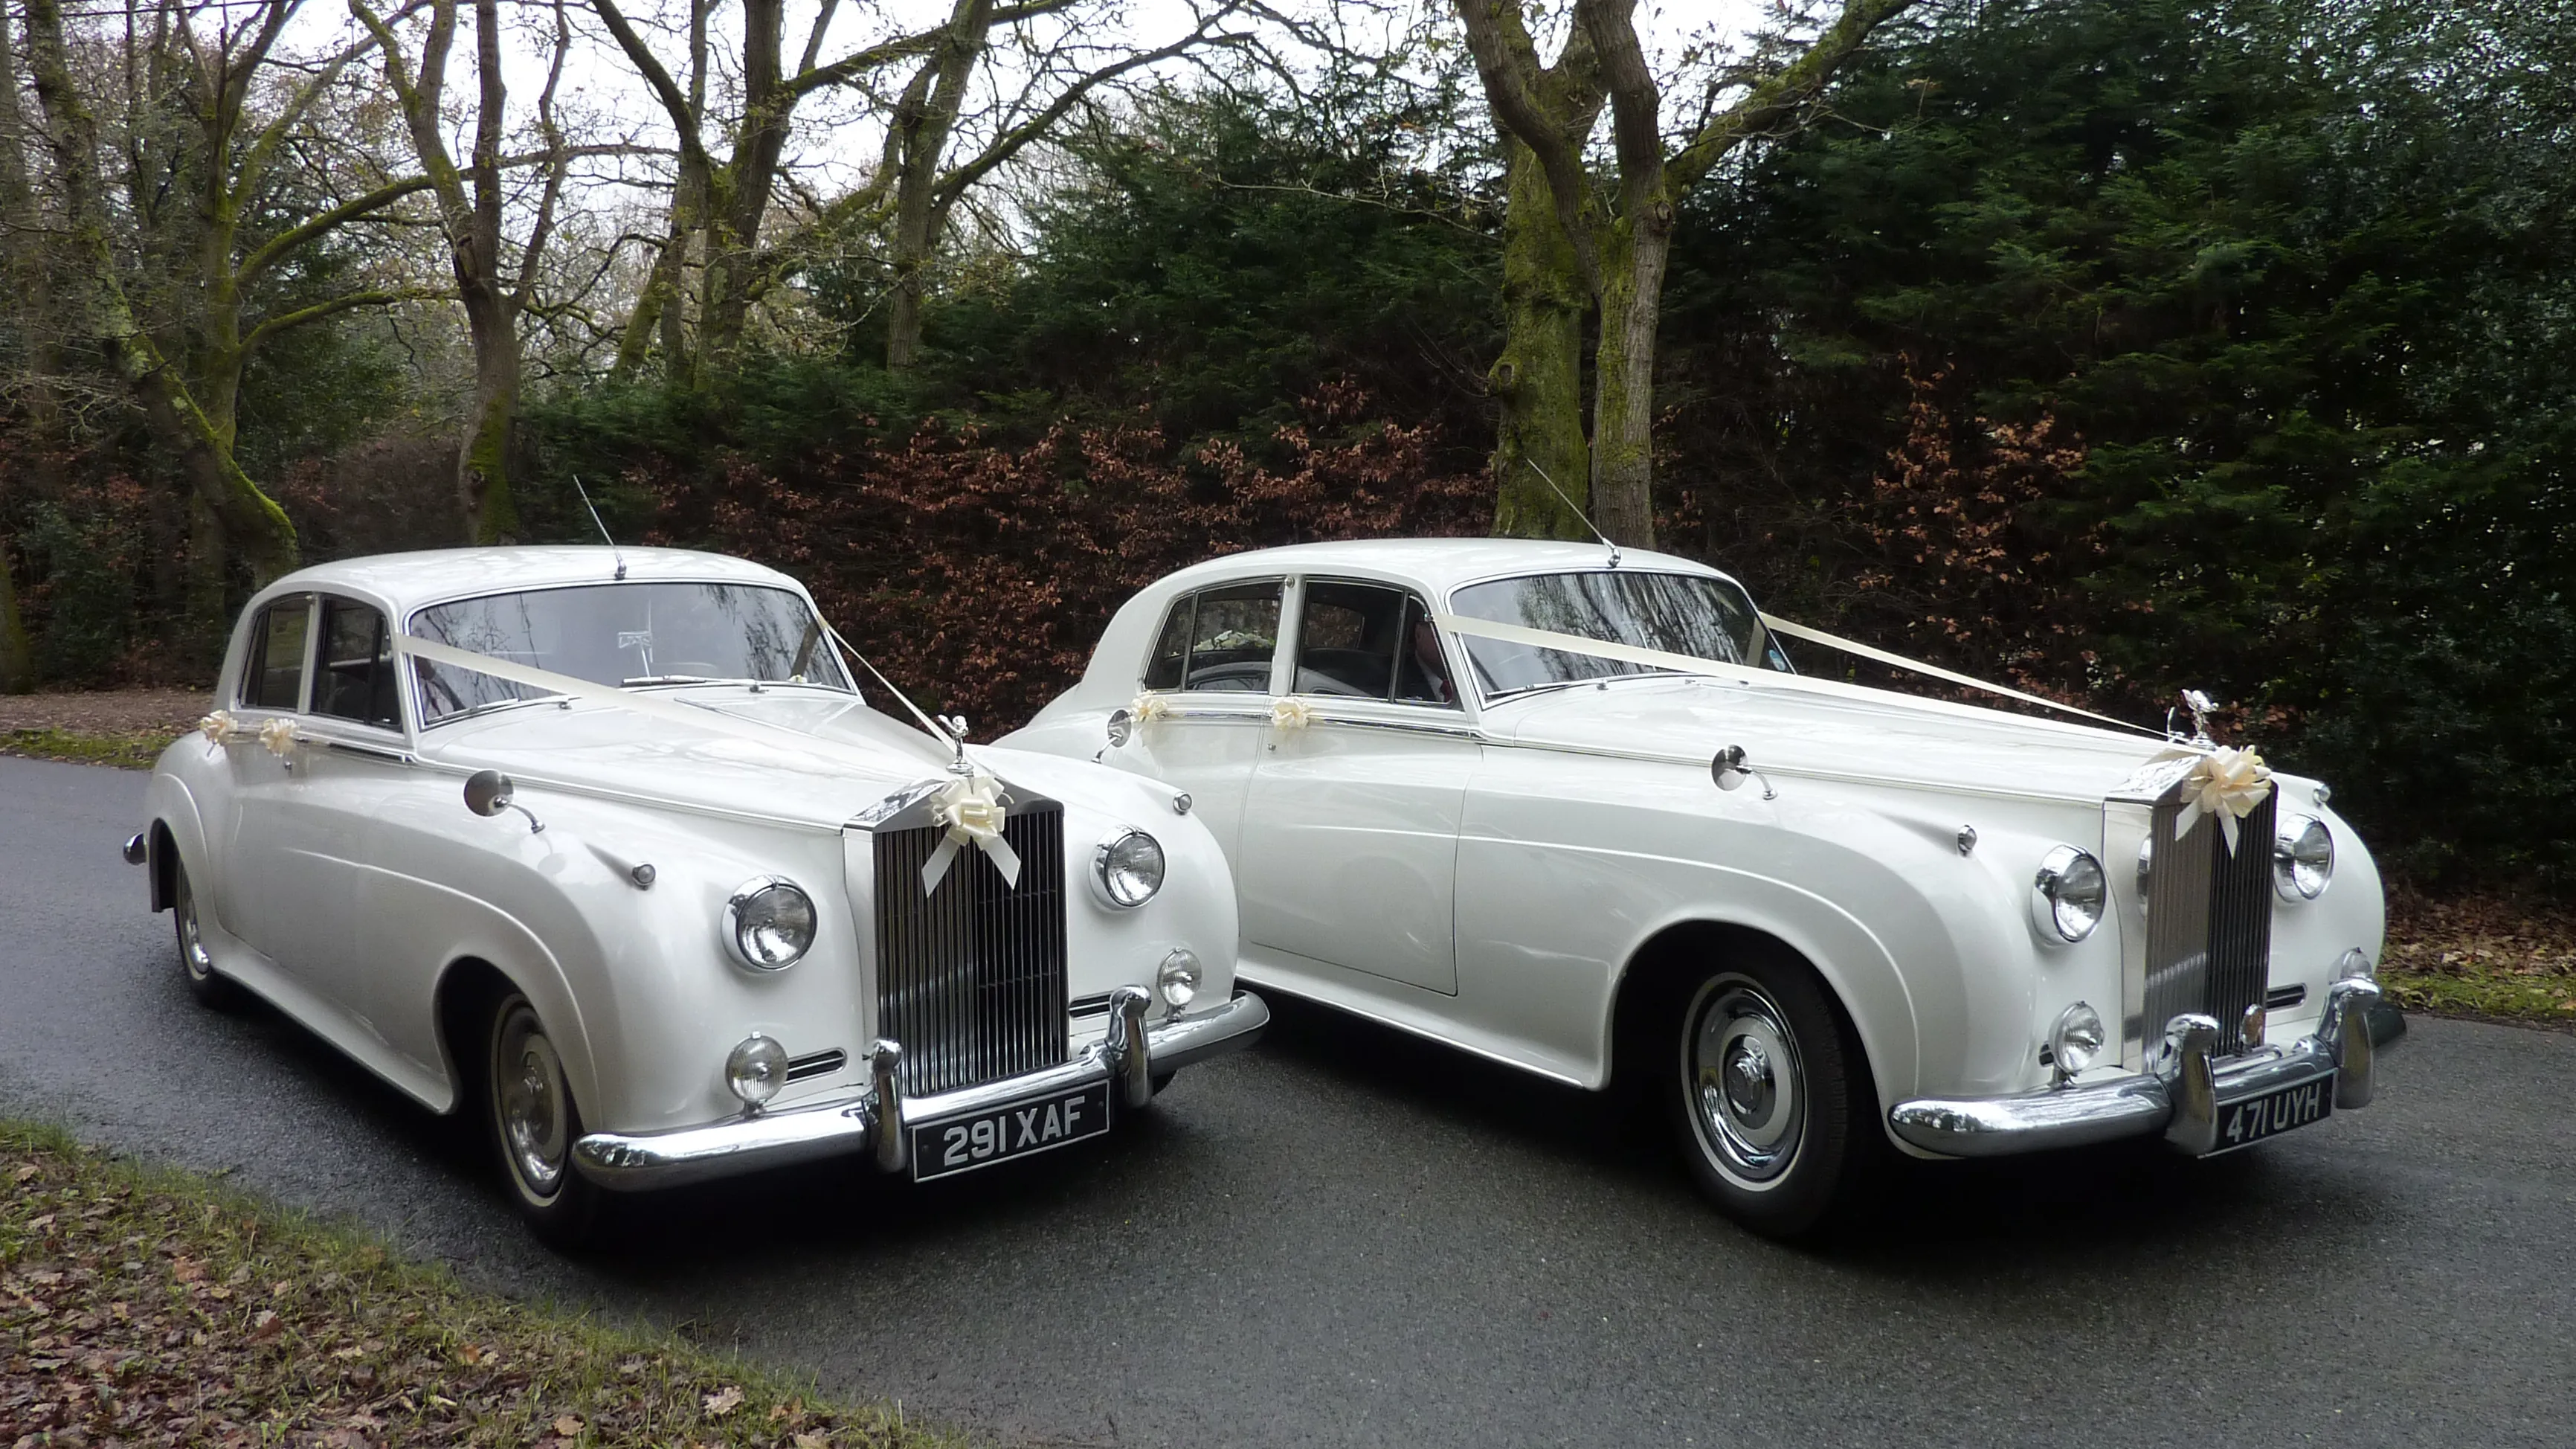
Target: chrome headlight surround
point(1127, 868)
point(2303, 858)
point(769, 924)
point(2069, 895)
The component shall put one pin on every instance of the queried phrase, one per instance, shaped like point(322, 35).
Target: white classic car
point(623, 863)
point(1577, 813)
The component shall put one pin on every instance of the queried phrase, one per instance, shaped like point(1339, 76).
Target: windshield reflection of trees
point(613, 633)
point(1676, 613)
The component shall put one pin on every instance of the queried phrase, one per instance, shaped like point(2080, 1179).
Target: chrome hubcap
point(1747, 1090)
point(192, 941)
point(528, 1087)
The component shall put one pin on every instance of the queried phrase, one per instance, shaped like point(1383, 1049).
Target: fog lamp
point(1179, 978)
point(2076, 1040)
point(755, 1070)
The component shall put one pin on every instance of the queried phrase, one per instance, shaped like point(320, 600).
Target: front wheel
point(196, 963)
point(1774, 1111)
point(534, 1123)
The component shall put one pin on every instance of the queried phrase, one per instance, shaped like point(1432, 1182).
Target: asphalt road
point(1345, 1237)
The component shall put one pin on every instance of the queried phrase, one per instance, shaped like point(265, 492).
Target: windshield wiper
point(669, 679)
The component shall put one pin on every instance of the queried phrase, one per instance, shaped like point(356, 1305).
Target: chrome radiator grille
point(970, 979)
point(2209, 921)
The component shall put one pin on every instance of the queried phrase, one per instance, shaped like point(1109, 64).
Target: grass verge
point(126, 751)
point(149, 1307)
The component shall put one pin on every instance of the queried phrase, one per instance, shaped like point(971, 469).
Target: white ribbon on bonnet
point(971, 808)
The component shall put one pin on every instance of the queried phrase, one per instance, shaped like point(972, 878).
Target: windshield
point(624, 634)
point(1677, 613)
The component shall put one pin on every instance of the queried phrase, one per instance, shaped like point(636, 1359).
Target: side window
point(1218, 639)
point(1368, 641)
point(273, 678)
point(354, 678)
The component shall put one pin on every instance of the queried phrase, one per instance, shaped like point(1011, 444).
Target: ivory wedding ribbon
point(1696, 664)
point(969, 806)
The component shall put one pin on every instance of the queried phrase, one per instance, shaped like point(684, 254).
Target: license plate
point(962, 1144)
point(2280, 1110)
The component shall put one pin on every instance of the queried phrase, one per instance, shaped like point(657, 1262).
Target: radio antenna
point(603, 528)
point(1577, 508)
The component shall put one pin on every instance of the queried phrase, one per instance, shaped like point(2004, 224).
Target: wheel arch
point(1651, 989)
point(462, 1000)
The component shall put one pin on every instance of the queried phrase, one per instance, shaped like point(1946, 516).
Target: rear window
point(1218, 639)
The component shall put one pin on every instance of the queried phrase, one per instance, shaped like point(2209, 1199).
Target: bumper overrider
point(2184, 1094)
point(881, 1120)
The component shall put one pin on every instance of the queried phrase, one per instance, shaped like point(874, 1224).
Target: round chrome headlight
point(1179, 978)
point(1127, 868)
point(2302, 858)
point(769, 923)
point(2067, 896)
point(756, 1069)
point(2076, 1040)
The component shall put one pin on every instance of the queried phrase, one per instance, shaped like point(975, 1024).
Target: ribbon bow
point(1292, 714)
point(970, 807)
point(2226, 783)
point(279, 736)
point(1148, 707)
point(219, 728)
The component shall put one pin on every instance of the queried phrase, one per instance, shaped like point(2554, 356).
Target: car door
point(1211, 666)
point(355, 764)
point(1350, 829)
point(255, 880)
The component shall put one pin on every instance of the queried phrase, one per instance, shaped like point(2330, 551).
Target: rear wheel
point(534, 1123)
point(196, 963)
point(1772, 1107)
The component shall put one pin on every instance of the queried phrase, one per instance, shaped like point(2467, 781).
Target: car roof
point(1438, 564)
point(405, 581)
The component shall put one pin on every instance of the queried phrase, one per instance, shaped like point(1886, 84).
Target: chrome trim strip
point(642, 1160)
point(383, 753)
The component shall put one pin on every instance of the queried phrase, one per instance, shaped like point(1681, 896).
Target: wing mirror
point(489, 792)
point(1729, 770)
point(1121, 729)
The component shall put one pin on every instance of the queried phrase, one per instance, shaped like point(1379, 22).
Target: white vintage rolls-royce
point(604, 846)
point(1577, 813)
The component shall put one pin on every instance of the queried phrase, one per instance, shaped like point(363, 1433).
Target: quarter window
point(1218, 639)
point(355, 677)
point(274, 676)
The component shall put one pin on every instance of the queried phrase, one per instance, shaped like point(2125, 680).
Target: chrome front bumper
point(880, 1120)
point(2180, 1095)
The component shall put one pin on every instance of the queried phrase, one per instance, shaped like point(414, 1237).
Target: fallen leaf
point(813, 1441)
point(27, 1171)
point(265, 1325)
point(567, 1425)
point(723, 1401)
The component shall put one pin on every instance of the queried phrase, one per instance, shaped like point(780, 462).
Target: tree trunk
point(924, 125)
point(1538, 380)
point(1633, 251)
point(248, 519)
point(483, 465)
point(17, 660)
